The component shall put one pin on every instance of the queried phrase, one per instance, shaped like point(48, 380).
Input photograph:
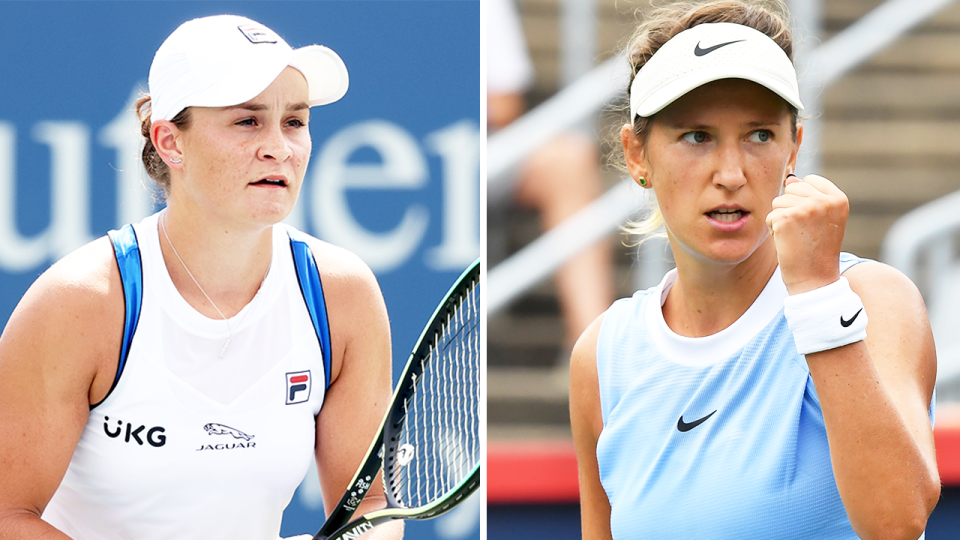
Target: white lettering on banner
point(123, 134)
point(17, 254)
point(459, 150)
point(70, 178)
point(403, 167)
point(70, 205)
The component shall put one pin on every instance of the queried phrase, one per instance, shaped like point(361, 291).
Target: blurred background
point(394, 175)
point(881, 83)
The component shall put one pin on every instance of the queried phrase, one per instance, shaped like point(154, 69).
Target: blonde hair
point(767, 16)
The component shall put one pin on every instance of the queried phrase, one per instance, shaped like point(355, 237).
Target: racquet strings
point(439, 443)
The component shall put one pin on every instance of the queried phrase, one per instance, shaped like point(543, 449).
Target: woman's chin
point(271, 212)
point(725, 252)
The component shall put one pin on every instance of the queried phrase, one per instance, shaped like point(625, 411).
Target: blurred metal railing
point(568, 108)
point(922, 245)
point(539, 259)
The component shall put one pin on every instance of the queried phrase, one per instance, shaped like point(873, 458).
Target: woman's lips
point(728, 219)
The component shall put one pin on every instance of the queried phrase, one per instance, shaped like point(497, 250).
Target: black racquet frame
point(383, 450)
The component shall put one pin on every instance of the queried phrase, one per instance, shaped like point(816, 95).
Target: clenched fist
point(807, 224)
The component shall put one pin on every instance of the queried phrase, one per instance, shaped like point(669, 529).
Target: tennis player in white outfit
point(176, 379)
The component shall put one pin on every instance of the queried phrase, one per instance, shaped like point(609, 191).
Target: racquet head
point(432, 436)
point(429, 443)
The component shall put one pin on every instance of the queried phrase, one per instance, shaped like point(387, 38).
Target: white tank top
point(188, 445)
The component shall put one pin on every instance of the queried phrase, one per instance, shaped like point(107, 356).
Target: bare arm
point(874, 393)
point(360, 382)
point(875, 396)
point(51, 360)
point(587, 422)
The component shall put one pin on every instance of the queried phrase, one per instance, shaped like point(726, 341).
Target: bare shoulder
point(359, 327)
point(360, 370)
point(82, 283)
point(887, 291)
point(71, 317)
point(898, 331)
point(584, 382)
point(583, 360)
point(58, 354)
point(340, 267)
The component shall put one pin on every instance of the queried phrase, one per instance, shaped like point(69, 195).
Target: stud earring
point(642, 180)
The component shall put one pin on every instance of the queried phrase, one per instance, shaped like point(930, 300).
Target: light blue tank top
point(713, 437)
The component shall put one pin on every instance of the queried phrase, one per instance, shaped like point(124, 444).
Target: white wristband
point(826, 318)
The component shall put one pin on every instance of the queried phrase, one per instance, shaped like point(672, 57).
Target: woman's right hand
point(807, 223)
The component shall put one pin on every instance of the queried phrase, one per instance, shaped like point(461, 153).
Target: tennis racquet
point(429, 442)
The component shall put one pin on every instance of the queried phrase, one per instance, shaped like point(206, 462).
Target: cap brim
point(667, 94)
point(325, 72)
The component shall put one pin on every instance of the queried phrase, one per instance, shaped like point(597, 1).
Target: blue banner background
point(399, 155)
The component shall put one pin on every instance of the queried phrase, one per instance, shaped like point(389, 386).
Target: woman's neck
point(708, 297)
point(208, 262)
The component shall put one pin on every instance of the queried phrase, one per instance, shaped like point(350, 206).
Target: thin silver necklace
point(226, 343)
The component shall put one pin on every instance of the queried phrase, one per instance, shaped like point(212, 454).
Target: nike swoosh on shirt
point(697, 51)
point(683, 427)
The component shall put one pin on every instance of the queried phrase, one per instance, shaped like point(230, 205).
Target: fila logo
point(154, 436)
point(299, 384)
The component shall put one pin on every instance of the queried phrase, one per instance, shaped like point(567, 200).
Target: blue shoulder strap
point(312, 290)
point(127, 252)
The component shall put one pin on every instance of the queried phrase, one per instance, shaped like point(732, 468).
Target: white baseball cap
point(709, 52)
point(227, 60)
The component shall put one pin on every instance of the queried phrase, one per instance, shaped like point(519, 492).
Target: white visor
point(710, 52)
point(227, 60)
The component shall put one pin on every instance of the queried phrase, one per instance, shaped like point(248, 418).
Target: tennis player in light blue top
point(770, 386)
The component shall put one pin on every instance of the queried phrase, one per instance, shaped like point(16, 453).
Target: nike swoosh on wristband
point(845, 324)
point(683, 427)
point(697, 51)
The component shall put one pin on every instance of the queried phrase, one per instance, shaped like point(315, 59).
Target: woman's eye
point(760, 135)
point(297, 123)
point(695, 137)
point(246, 122)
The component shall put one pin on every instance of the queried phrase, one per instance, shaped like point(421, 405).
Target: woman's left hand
point(807, 223)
